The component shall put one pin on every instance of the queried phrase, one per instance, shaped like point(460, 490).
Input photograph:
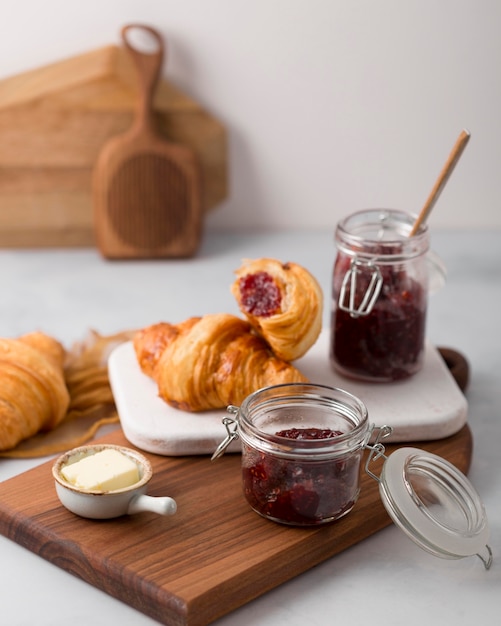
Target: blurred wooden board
point(54, 121)
point(213, 556)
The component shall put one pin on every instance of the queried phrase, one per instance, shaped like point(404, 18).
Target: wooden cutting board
point(213, 556)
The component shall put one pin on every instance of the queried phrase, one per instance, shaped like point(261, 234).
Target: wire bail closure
point(347, 302)
point(231, 433)
point(377, 449)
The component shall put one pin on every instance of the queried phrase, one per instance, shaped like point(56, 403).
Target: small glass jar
point(302, 446)
point(379, 296)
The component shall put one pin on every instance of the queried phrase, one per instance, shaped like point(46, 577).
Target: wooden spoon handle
point(148, 66)
point(442, 179)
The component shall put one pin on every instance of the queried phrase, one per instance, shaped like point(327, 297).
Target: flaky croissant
point(209, 362)
point(33, 392)
point(283, 302)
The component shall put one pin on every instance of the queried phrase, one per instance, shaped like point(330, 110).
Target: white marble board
point(427, 406)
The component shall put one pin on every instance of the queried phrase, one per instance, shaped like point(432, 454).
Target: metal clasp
point(348, 303)
point(231, 426)
point(486, 560)
point(377, 449)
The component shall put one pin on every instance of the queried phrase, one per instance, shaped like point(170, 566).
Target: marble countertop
point(384, 580)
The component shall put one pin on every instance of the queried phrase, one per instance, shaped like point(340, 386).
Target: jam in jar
point(380, 296)
point(302, 446)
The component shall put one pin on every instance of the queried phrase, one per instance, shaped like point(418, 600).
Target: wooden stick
point(449, 166)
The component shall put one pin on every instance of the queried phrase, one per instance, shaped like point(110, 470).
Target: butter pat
point(106, 470)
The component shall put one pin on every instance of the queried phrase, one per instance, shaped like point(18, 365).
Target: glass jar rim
point(343, 402)
point(354, 235)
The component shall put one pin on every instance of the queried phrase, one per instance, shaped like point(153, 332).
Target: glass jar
point(302, 446)
point(379, 296)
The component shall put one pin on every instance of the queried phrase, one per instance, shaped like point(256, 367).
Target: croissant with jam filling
point(33, 392)
point(209, 362)
point(283, 302)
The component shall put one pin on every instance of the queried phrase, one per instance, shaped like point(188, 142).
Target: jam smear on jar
point(386, 344)
point(301, 492)
point(260, 294)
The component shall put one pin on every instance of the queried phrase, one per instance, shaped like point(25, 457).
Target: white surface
point(426, 406)
point(331, 105)
point(385, 580)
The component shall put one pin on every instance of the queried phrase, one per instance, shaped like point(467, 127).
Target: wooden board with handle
point(147, 190)
point(210, 558)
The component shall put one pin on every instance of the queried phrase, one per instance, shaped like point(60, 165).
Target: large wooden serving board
point(213, 556)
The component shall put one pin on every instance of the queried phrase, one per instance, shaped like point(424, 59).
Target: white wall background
point(331, 105)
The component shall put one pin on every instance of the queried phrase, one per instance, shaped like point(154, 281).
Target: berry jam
point(259, 294)
point(301, 492)
point(386, 344)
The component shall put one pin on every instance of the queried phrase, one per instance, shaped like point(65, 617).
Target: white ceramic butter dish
point(97, 504)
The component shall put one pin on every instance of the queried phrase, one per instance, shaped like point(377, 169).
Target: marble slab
point(425, 407)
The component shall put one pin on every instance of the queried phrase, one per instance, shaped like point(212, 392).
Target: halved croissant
point(209, 362)
point(33, 392)
point(283, 302)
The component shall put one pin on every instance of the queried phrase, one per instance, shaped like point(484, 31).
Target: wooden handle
point(442, 179)
point(148, 66)
point(457, 365)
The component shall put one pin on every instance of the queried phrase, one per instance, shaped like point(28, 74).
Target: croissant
point(283, 302)
point(33, 392)
point(209, 362)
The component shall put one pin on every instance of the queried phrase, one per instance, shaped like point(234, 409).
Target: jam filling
point(259, 294)
point(309, 433)
point(300, 492)
point(386, 344)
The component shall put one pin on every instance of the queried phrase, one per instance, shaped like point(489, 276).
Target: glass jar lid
point(435, 505)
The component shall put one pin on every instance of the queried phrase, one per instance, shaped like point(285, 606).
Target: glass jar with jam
point(379, 296)
point(302, 447)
